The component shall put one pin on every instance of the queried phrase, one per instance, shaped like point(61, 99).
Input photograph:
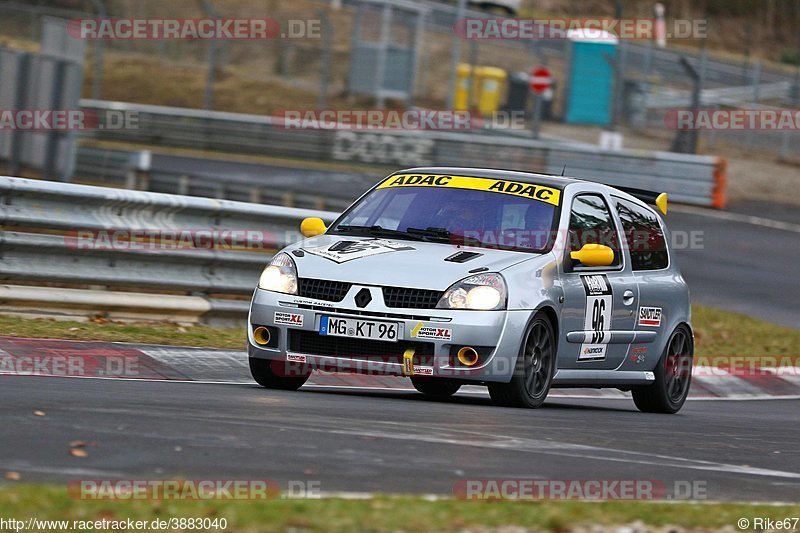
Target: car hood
point(398, 263)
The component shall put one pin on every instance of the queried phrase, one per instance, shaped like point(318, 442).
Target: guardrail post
point(183, 184)
point(718, 198)
point(21, 90)
point(56, 102)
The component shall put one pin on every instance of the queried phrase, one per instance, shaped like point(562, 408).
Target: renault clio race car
point(451, 276)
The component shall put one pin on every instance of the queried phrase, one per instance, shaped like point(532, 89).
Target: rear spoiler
point(650, 197)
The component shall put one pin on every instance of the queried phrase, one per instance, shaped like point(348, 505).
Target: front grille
point(410, 298)
point(312, 343)
point(370, 313)
point(323, 289)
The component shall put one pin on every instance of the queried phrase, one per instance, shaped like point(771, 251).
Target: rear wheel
point(272, 375)
point(536, 365)
point(437, 387)
point(673, 376)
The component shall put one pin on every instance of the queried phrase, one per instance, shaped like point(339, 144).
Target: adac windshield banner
point(515, 188)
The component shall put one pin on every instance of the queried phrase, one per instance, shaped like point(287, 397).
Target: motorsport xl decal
point(516, 188)
point(288, 319)
point(597, 317)
point(650, 316)
point(343, 251)
point(421, 331)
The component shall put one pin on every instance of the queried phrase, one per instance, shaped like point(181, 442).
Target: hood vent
point(463, 257)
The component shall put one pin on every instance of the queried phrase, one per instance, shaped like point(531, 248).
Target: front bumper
point(498, 334)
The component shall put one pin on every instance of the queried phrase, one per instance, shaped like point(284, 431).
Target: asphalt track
point(391, 442)
point(746, 260)
point(746, 263)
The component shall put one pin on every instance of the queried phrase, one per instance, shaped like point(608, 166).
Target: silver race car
point(452, 276)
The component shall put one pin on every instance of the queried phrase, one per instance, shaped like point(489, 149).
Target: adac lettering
point(520, 189)
point(440, 181)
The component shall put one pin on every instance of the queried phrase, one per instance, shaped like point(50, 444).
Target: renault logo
point(363, 298)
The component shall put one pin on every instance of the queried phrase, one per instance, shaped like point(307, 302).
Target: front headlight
point(280, 275)
point(482, 292)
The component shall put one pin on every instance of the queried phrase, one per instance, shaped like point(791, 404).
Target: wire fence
point(341, 50)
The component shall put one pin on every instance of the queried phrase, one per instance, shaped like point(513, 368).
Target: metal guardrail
point(77, 235)
point(118, 168)
point(669, 98)
point(698, 180)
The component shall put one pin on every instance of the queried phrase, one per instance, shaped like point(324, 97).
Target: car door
point(650, 265)
point(599, 302)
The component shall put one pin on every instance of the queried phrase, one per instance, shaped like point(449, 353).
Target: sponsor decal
point(649, 376)
point(422, 331)
point(288, 319)
point(299, 301)
point(650, 316)
point(423, 370)
point(295, 358)
point(344, 251)
point(638, 354)
point(597, 317)
point(516, 188)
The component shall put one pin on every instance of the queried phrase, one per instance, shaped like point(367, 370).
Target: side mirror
point(313, 226)
point(594, 255)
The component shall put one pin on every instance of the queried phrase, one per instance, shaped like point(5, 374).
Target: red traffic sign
point(540, 80)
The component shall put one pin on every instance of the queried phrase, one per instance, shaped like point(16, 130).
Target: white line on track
point(738, 217)
point(556, 396)
point(453, 437)
point(350, 495)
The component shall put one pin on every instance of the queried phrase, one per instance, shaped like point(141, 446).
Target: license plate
point(358, 328)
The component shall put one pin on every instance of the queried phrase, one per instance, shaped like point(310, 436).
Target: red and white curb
point(110, 360)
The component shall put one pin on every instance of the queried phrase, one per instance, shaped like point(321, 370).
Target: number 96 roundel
point(597, 317)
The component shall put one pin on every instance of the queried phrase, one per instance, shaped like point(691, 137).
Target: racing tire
point(436, 387)
point(268, 373)
point(673, 376)
point(534, 370)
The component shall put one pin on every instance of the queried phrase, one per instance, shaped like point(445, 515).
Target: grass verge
point(385, 514)
point(717, 332)
point(145, 333)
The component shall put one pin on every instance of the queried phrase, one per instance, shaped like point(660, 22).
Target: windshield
point(487, 214)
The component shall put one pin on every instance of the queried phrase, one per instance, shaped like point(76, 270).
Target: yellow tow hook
point(408, 362)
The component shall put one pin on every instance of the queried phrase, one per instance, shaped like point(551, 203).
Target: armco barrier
point(691, 179)
point(40, 245)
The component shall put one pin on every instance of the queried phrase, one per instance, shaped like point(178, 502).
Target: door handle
point(627, 297)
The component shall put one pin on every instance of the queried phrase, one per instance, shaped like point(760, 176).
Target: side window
point(590, 222)
point(644, 236)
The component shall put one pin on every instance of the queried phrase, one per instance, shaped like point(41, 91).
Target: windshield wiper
point(438, 234)
point(377, 231)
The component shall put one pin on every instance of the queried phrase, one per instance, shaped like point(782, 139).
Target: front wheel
point(536, 365)
point(436, 387)
point(673, 376)
point(272, 375)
